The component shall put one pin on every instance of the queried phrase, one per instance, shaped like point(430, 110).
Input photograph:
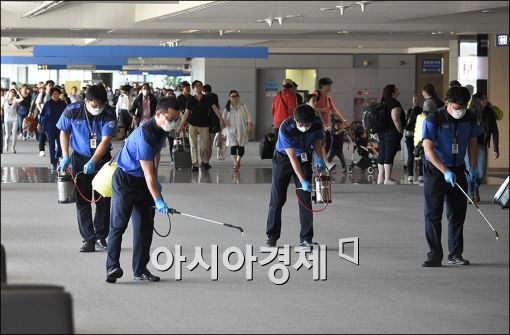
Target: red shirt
point(284, 104)
point(324, 105)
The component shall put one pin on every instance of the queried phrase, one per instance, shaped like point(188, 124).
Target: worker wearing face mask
point(143, 107)
point(298, 137)
point(92, 124)
point(136, 190)
point(447, 134)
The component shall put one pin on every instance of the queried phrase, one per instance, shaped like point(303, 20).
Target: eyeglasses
point(234, 96)
point(166, 117)
point(95, 104)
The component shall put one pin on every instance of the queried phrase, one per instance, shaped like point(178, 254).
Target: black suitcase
point(182, 153)
point(501, 196)
point(267, 146)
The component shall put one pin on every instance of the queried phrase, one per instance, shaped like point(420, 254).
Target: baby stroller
point(364, 151)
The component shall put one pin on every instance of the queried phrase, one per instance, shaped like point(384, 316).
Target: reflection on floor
point(171, 175)
point(220, 175)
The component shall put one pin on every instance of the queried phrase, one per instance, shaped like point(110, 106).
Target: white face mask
point(173, 125)
point(145, 93)
point(303, 129)
point(96, 111)
point(458, 113)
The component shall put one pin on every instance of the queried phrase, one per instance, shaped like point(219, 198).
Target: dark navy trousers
point(130, 199)
point(282, 172)
point(90, 229)
point(437, 192)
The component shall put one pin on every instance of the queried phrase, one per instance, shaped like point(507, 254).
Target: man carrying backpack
point(284, 104)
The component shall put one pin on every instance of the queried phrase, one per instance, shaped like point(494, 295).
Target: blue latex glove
point(64, 162)
point(90, 167)
point(161, 205)
point(472, 175)
point(449, 176)
point(321, 165)
point(305, 184)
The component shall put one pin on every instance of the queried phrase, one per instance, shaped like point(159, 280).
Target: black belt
point(308, 155)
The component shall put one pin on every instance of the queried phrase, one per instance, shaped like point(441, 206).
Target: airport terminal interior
point(215, 261)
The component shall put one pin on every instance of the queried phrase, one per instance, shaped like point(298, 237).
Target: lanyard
point(92, 133)
point(456, 130)
point(455, 146)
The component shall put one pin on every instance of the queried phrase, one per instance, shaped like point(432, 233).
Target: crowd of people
point(453, 139)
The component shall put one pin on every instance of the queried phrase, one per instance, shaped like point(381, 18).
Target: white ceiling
point(385, 27)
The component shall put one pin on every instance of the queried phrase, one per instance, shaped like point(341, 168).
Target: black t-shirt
point(199, 111)
point(391, 104)
point(214, 122)
point(26, 102)
point(183, 100)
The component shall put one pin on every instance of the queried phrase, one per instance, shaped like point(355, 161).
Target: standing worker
point(135, 190)
point(92, 124)
point(447, 134)
point(298, 136)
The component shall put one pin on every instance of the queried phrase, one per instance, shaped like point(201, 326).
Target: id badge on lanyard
point(304, 157)
point(455, 148)
point(93, 142)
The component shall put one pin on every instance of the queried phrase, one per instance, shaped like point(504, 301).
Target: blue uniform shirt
point(291, 137)
point(74, 121)
point(442, 129)
point(144, 143)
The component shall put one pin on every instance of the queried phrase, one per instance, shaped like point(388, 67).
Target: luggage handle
point(183, 140)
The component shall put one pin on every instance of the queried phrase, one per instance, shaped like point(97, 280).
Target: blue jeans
point(481, 168)
point(22, 113)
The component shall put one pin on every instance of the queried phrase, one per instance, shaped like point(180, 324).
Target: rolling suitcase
point(267, 146)
point(501, 196)
point(182, 153)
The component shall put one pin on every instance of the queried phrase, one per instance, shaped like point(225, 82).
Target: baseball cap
point(288, 83)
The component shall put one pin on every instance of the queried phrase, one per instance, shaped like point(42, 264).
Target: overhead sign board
point(502, 40)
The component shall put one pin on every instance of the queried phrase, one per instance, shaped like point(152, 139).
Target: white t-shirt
point(10, 111)
point(74, 97)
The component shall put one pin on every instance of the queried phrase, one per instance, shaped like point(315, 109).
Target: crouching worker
point(136, 190)
point(298, 136)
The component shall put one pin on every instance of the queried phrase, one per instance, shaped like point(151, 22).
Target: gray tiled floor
point(389, 292)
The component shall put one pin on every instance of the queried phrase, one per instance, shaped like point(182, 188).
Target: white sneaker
point(410, 179)
point(330, 166)
point(41, 153)
point(420, 179)
point(390, 182)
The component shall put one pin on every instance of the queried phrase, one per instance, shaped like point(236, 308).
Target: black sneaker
point(271, 243)
point(88, 246)
point(146, 276)
point(194, 169)
point(457, 260)
point(113, 274)
point(432, 263)
point(101, 244)
point(205, 166)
